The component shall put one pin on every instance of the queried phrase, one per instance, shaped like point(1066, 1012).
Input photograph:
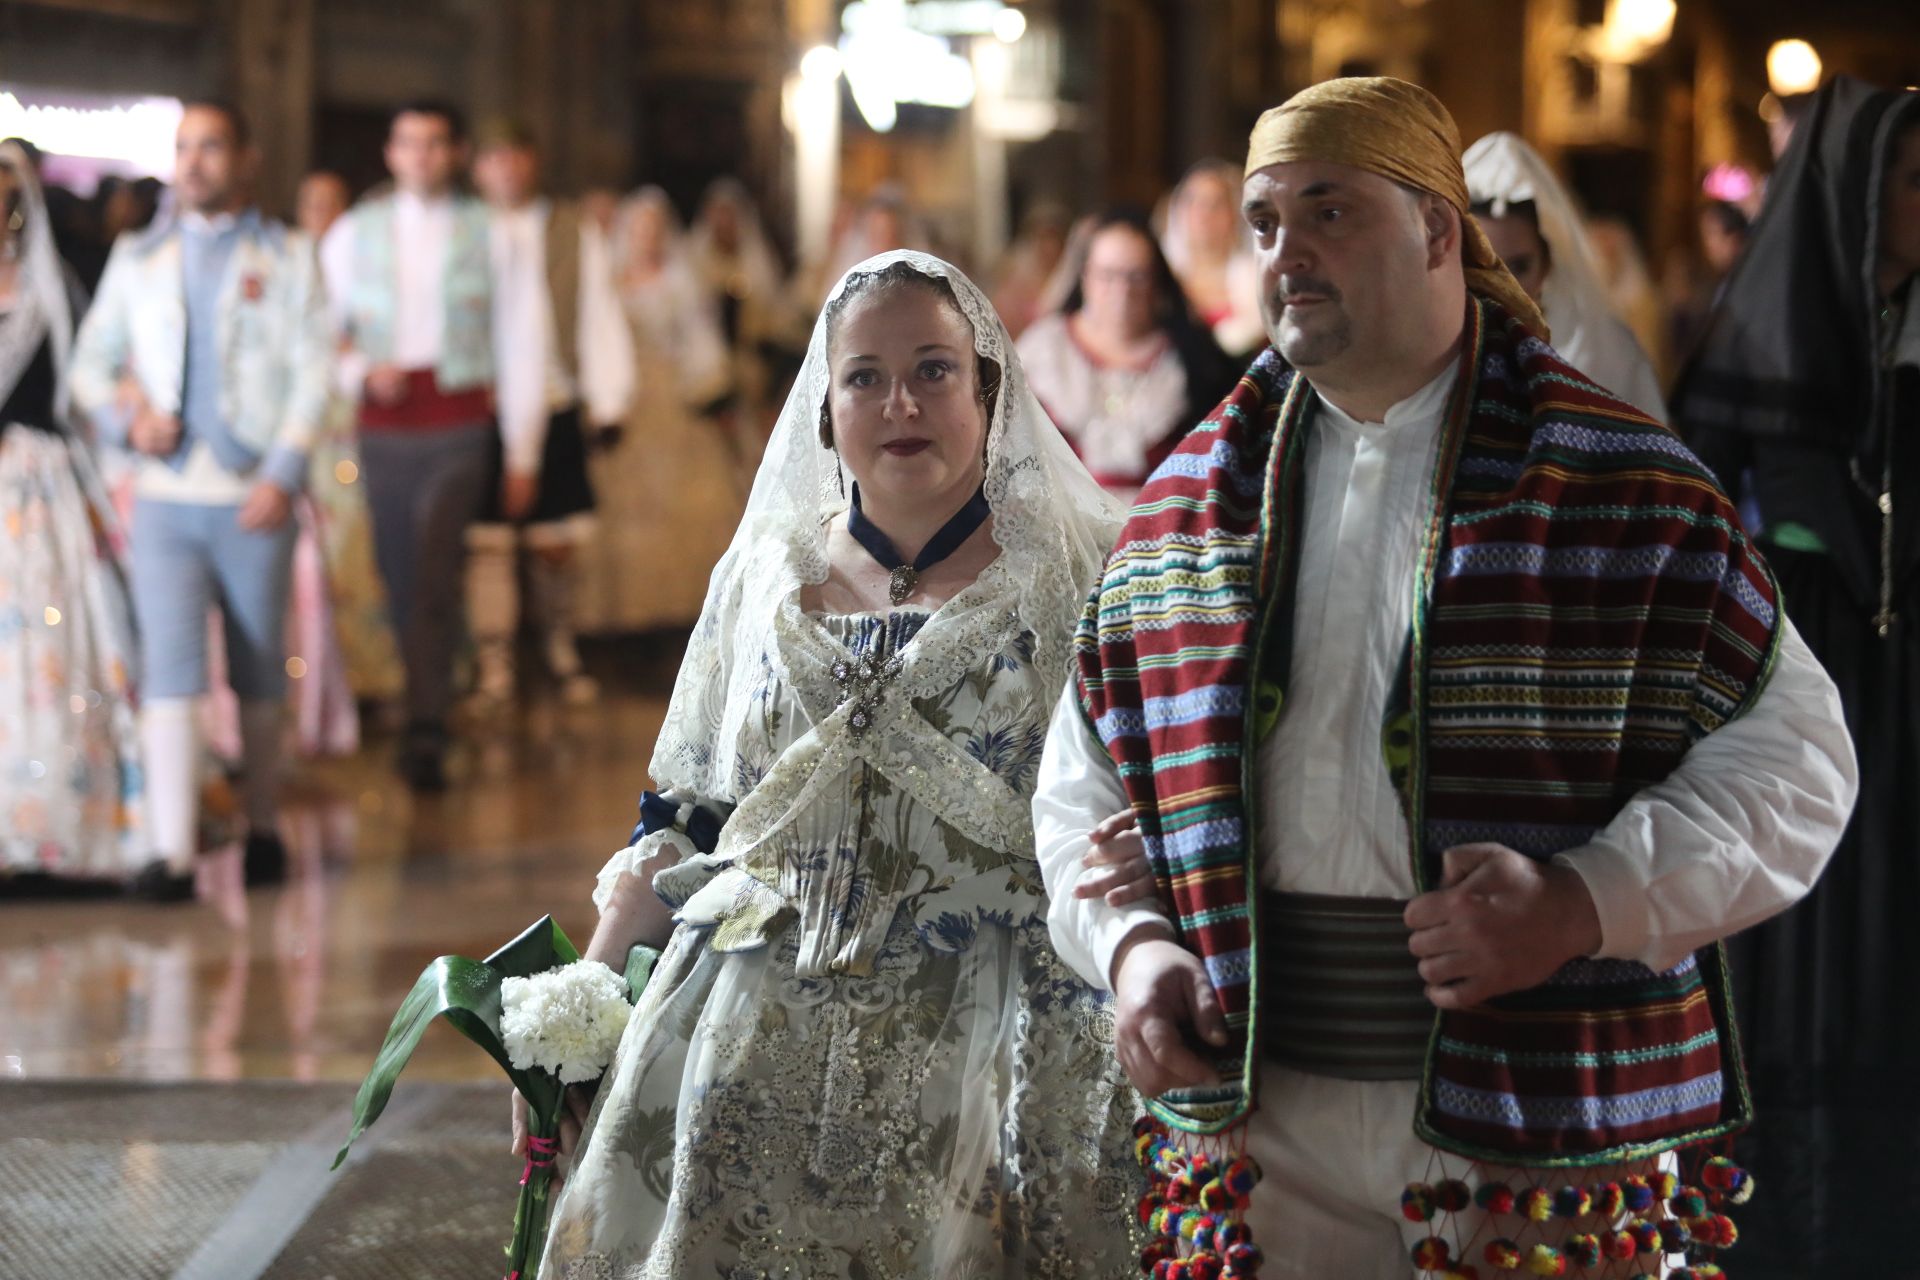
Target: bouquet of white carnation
point(549, 1018)
point(566, 1021)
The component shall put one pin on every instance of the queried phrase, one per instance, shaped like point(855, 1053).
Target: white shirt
point(422, 230)
point(1739, 831)
point(530, 382)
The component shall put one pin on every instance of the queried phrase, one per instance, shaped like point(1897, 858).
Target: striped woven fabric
point(1344, 994)
point(1588, 607)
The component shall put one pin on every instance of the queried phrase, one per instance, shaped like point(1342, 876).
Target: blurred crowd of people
point(386, 453)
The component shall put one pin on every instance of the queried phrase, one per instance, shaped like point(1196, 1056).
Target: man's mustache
point(1290, 285)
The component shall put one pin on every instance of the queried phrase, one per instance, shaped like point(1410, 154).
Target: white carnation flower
point(566, 1021)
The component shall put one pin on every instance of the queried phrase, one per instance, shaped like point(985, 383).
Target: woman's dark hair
point(1210, 374)
point(1170, 304)
point(1732, 218)
point(1527, 211)
point(902, 275)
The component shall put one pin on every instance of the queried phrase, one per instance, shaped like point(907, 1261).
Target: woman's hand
point(1116, 862)
point(576, 1103)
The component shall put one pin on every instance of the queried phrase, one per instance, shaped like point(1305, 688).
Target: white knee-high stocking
point(170, 761)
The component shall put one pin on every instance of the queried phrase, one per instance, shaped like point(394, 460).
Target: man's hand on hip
point(386, 384)
point(1160, 993)
point(518, 492)
point(155, 434)
point(266, 508)
point(1500, 922)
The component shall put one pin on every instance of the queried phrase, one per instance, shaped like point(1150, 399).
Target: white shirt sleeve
point(607, 375)
point(336, 269)
point(1077, 790)
point(1738, 832)
point(519, 345)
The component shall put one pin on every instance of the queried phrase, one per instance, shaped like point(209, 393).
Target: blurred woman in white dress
point(667, 483)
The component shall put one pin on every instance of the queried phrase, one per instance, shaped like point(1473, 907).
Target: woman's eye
point(862, 378)
point(933, 370)
point(1332, 213)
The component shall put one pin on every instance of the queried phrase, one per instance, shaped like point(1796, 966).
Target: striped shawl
point(1588, 606)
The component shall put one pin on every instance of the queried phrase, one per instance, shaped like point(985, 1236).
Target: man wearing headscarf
point(1804, 394)
point(1459, 721)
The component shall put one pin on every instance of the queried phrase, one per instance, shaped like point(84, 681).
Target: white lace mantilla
point(1053, 524)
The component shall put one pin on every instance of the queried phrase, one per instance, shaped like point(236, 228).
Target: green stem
point(530, 1212)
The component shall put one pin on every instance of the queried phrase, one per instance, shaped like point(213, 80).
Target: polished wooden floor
point(298, 982)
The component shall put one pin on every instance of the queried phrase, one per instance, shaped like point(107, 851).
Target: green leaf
point(640, 963)
point(467, 994)
point(542, 947)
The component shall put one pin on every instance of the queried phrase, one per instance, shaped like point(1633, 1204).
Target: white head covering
point(1503, 170)
point(759, 268)
point(856, 243)
point(42, 309)
point(628, 213)
point(1054, 527)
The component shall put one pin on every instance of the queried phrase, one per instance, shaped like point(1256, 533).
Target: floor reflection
point(299, 982)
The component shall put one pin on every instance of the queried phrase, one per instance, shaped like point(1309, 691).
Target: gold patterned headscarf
point(1399, 131)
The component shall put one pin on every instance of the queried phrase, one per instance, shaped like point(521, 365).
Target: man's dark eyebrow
point(1325, 187)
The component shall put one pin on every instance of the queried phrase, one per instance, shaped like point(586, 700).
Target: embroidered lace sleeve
point(673, 827)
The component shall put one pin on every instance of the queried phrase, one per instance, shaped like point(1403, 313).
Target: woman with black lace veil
point(859, 1055)
point(1804, 398)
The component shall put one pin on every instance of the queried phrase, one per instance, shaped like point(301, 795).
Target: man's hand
point(386, 384)
point(1500, 922)
point(1161, 992)
point(128, 395)
point(156, 434)
point(1116, 860)
point(266, 508)
point(518, 492)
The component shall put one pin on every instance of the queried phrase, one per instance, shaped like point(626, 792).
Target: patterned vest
point(563, 281)
point(466, 344)
point(1587, 607)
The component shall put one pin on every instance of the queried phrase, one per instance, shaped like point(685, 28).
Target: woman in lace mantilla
point(859, 1055)
point(70, 783)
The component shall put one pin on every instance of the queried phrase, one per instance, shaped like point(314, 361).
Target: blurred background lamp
point(1792, 68)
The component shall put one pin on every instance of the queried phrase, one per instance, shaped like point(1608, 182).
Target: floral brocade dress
point(859, 1056)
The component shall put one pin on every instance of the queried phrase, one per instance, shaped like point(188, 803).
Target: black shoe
point(266, 859)
point(424, 770)
point(33, 886)
point(157, 882)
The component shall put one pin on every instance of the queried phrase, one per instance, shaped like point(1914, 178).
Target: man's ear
point(1442, 222)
